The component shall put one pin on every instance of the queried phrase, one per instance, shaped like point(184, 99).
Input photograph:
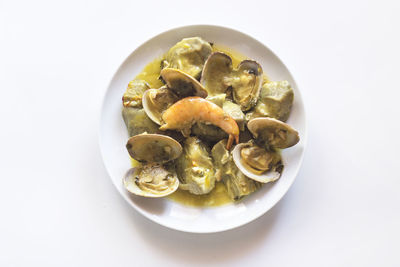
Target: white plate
point(113, 135)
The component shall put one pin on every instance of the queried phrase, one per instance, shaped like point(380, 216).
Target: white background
point(58, 206)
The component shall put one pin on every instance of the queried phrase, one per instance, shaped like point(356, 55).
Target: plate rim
point(177, 227)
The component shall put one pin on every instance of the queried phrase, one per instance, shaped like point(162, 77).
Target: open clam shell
point(160, 184)
point(217, 68)
point(247, 84)
point(153, 148)
point(182, 84)
point(273, 133)
point(152, 111)
point(266, 177)
point(156, 101)
point(245, 81)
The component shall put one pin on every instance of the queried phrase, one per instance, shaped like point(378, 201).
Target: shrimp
point(184, 113)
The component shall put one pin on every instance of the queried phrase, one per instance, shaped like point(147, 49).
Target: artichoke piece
point(188, 55)
point(217, 99)
point(137, 121)
point(208, 132)
point(236, 183)
point(235, 112)
point(133, 94)
point(221, 157)
point(195, 168)
point(276, 101)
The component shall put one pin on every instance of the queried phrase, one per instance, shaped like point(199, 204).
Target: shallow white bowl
point(113, 135)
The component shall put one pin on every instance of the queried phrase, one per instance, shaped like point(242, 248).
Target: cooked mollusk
point(156, 101)
point(245, 82)
point(153, 148)
point(182, 84)
point(216, 73)
point(271, 166)
point(236, 183)
point(273, 133)
point(151, 180)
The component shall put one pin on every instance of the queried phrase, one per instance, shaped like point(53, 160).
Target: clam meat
point(244, 82)
point(156, 101)
point(258, 159)
point(156, 175)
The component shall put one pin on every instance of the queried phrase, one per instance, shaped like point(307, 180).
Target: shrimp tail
point(230, 140)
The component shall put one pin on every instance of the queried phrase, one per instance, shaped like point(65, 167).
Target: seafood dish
point(206, 125)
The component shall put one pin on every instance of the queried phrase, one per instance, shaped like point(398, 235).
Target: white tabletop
point(58, 205)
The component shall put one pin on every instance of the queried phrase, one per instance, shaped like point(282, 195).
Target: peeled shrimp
point(184, 113)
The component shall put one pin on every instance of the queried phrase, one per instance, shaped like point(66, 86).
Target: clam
point(152, 180)
point(182, 84)
point(236, 183)
point(188, 55)
point(273, 133)
point(245, 81)
point(257, 163)
point(155, 176)
point(216, 73)
point(258, 159)
point(156, 101)
point(148, 148)
point(247, 84)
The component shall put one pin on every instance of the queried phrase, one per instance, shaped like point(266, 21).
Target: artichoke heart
point(218, 99)
point(188, 55)
point(276, 99)
point(137, 121)
point(235, 112)
point(236, 183)
point(133, 94)
point(195, 168)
